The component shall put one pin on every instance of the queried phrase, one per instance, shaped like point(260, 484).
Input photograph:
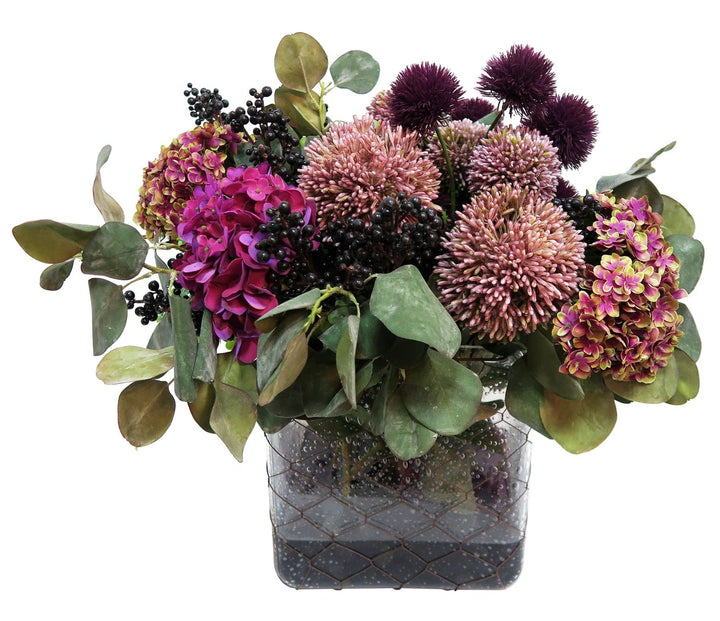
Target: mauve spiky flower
point(517, 156)
point(510, 262)
point(461, 138)
point(220, 267)
point(422, 96)
point(571, 124)
point(355, 165)
point(474, 109)
point(191, 159)
point(378, 108)
point(521, 78)
point(625, 322)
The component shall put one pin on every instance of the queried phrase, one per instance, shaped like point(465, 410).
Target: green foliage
point(116, 250)
point(690, 341)
point(145, 411)
point(691, 254)
point(659, 391)
point(106, 204)
point(524, 396)
point(131, 363)
point(53, 242)
point(54, 276)
point(356, 71)
point(676, 219)
point(185, 347)
point(544, 363)
point(300, 62)
point(109, 313)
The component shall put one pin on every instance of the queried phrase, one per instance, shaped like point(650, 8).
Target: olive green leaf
point(273, 346)
point(544, 363)
point(442, 394)
point(53, 242)
point(270, 423)
point(641, 186)
point(691, 254)
point(356, 71)
point(303, 110)
point(202, 407)
point(106, 204)
point(54, 276)
point(233, 417)
point(403, 434)
point(206, 358)
point(676, 219)
point(379, 409)
point(185, 347)
point(524, 396)
point(145, 411)
point(345, 359)
point(109, 313)
point(639, 169)
point(288, 370)
point(374, 338)
point(302, 302)
point(580, 426)
point(660, 390)
point(161, 336)
point(688, 379)
point(300, 62)
point(117, 250)
point(235, 373)
point(404, 303)
point(131, 363)
point(690, 340)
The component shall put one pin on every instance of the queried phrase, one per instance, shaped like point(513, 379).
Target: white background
point(91, 528)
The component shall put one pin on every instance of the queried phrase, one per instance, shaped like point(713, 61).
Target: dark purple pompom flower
point(473, 109)
point(423, 95)
point(565, 189)
point(521, 78)
point(570, 122)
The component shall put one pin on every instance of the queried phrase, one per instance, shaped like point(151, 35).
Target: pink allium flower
point(516, 156)
point(221, 226)
point(625, 322)
point(510, 262)
point(461, 138)
point(192, 158)
point(356, 165)
point(378, 108)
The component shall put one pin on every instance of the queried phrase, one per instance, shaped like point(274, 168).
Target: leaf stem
point(450, 172)
point(327, 293)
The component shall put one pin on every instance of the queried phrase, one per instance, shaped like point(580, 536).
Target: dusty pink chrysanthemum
point(192, 159)
point(461, 138)
point(516, 156)
point(510, 262)
point(355, 165)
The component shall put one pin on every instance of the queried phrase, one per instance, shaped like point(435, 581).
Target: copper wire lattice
point(346, 513)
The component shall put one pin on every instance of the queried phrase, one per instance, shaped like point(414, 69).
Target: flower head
point(510, 262)
point(516, 156)
point(571, 124)
point(222, 266)
point(422, 96)
point(355, 165)
point(461, 138)
point(193, 158)
point(521, 78)
point(474, 109)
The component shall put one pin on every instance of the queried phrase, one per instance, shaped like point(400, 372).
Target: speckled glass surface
point(346, 513)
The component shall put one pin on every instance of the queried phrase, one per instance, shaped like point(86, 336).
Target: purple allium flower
point(565, 189)
point(516, 156)
point(461, 138)
point(521, 78)
point(422, 96)
point(570, 122)
point(221, 226)
point(355, 165)
point(193, 158)
point(625, 321)
point(473, 109)
point(511, 260)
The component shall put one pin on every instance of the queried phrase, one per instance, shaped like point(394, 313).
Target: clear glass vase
point(346, 513)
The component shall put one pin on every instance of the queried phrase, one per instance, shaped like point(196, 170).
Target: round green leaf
point(676, 219)
point(201, 408)
point(688, 379)
point(638, 188)
point(54, 276)
point(404, 303)
point(346, 358)
point(356, 71)
point(523, 397)
point(300, 62)
point(659, 391)
point(404, 436)
point(442, 394)
point(690, 341)
point(131, 363)
point(52, 242)
point(691, 254)
point(233, 417)
point(303, 109)
point(544, 363)
point(145, 411)
point(117, 250)
point(109, 313)
point(580, 426)
point(292, 363)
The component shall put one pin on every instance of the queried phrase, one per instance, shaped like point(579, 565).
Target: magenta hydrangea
point(222, 226)
point(625, 321)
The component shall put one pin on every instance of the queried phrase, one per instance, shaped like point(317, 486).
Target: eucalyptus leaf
point(185, 346)
point(659, 391)
point(231, 371)
point(300, 62)
point(272, 346)
point(676, 219)
point(117, 250)
point(374, 338)
point(161, 336)
point(109, 313)
point(233, 417)
point(345, 359)
point(269, 423)
point(404, 436)
point(202, 407)
point(544, 363)
point(580, 426)
point(106, 204)
point(688, 379)
point(442, 394)
point(691, 254)
point(303, 110)
point(54, 276)
point(206, 358)
point(356, 71)
point(523, 397)
point(304, 301)
point(406, 354)
point(638, 188)
point(643, 163)
point(690, 341)
point(145, 411)
point(638, 170)
point(404, 303)
point(53, 242)
point(319, 383)
point(291, 365)
point(379, 409)
point(131, 363)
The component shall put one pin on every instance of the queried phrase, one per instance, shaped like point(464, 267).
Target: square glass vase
point(346, 513)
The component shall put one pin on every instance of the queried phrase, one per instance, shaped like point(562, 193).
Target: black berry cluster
point(584, 212)
point(270, 138)
point(398, 232)
point(151, 306)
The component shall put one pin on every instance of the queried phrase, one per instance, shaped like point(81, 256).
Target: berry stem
point(329, 292)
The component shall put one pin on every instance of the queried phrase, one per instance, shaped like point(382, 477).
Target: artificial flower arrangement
point(340, 267)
